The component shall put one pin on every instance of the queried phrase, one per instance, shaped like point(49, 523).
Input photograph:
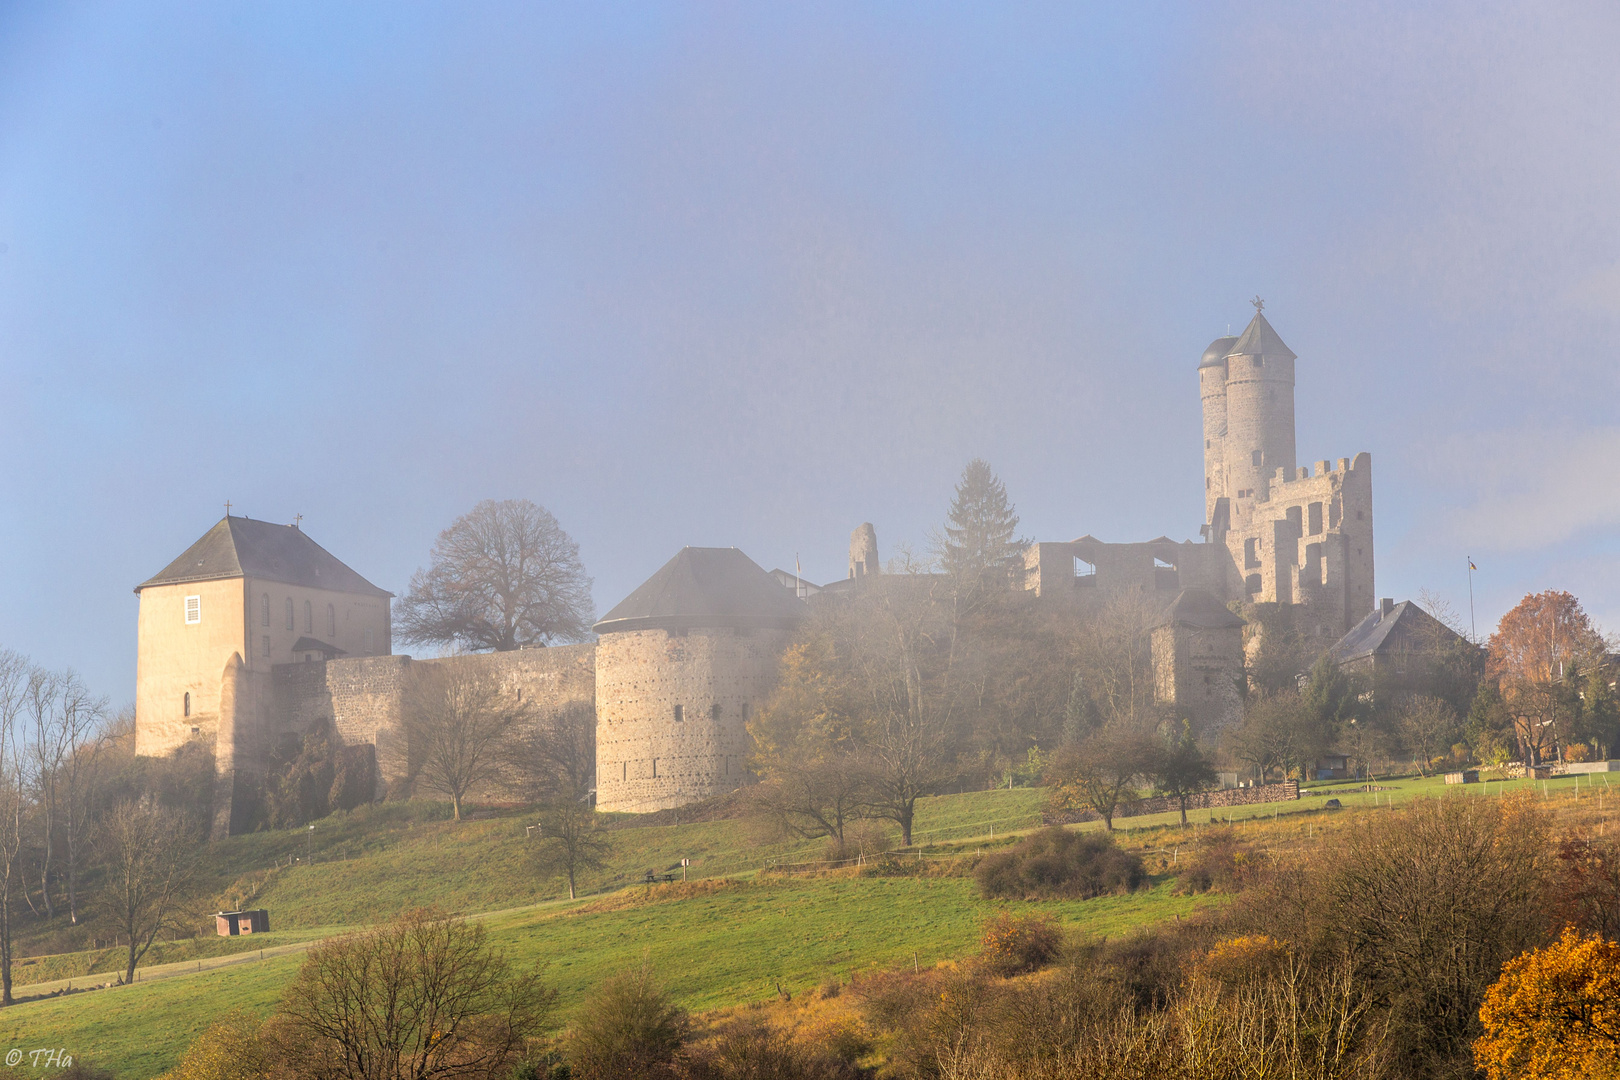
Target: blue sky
point(742, 274)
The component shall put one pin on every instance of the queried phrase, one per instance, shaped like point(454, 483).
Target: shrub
point(630, 1027)
point(1012, 945)
point(1057, 864)
point(747, 1048)
point(1220, 863)
point(1554, 1013)
point(1243, 960)
point(229, 1050)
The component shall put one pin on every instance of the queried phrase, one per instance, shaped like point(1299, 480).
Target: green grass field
point(715, 947)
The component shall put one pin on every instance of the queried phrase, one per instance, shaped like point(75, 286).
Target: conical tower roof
point(1259, 339)
point(708, 587)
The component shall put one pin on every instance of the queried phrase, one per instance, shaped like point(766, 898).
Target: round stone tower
point(1259, 413)
point(1212, 389)
point(681, 665)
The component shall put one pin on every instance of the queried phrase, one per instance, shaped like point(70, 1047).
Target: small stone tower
point(1252, 409)
point(863, 551)
point(681, 665)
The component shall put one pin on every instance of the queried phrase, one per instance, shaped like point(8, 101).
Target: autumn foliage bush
point(1015, 944)
point(1554, 1013)
point(1055, 864)
point(1220, 863)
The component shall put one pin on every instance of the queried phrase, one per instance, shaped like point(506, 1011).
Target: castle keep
point(256, 632)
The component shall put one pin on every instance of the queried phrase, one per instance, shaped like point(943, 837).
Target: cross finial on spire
point(1259, 305)
point(227, 508)
point(298, 521)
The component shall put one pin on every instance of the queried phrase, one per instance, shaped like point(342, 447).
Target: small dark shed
point(231, 923)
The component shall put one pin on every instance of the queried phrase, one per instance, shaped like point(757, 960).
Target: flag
point(1471, 565)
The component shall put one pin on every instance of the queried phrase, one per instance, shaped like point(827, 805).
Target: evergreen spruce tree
point(981, 549)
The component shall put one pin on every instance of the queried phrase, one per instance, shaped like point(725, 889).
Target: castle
point(255, 630)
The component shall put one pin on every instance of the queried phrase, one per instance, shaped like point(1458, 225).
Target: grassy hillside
point(732, 935)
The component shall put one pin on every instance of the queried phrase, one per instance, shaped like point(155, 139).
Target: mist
point(717, 275)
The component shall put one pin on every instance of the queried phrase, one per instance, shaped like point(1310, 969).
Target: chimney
point(1385, 607)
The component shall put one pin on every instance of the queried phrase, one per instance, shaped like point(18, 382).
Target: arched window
point(290, 624)
point(187, 705)
point(331, 622)
point(309, 617)
point(264, 608)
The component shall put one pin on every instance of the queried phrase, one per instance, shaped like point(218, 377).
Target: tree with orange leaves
point(1540, 653)
point(1554, 1013)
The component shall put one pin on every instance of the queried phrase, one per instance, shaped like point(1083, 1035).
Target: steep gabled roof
point(1369, 636)
point(242, 547)
point(715, 587)
point(1200, 610)
point(1259, 339)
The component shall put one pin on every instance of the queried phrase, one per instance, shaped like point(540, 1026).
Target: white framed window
point(193, 609)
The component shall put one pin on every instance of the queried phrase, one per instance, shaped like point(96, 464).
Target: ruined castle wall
point(672, 712)
point(1309, 542)
point(363, 696)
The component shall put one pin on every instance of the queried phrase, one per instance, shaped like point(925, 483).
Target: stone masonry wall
point(648, 755)
point(362, 696)
point(1287, 791)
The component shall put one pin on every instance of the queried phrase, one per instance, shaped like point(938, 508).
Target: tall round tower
point(1259, 413)
point(681, 664)
point(1212, 389)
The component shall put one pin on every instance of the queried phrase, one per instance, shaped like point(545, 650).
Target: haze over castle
point(256, 631)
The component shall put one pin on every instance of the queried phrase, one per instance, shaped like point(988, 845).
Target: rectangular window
point(193, 609)
point(745, 712)
point(267, 646)
point(655, 769)
point(1255, 457)
point(366, 641)
point(1251, 553)
point(291, 625)
point(624, 770)
point(680, 713)
point(714, 711)
point(1314, 520)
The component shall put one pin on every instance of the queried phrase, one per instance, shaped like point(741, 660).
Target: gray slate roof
point(1200, 610)
point(1218, 350)
point(714, 587)
point(1370, 635)
point(239, 546)
point(1259, 339)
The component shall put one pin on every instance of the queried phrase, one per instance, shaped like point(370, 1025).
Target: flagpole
point(1472, 628)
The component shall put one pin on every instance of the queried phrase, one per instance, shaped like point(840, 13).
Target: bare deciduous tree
point(424, 997)
point(554, 755)
point(14, 682)
point(567, 842)
point(1428, 727)
point(1101, 773)
point(146, 865)
point(503, 576)
point(459, 721)
point(64, 717)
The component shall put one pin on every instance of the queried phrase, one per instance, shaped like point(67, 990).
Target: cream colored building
point(245, 597)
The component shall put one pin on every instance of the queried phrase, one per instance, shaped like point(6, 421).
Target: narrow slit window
point(264, 609)
point(680, 713)
point(193, 609)
point(267, 646)
point(291, 625)
point(186, 704)
point(331, 622)
point(309, 617)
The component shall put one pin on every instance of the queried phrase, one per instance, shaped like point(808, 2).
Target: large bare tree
point(146, 861)
point(14, 782)
point(459, 722)
point(504, 575)
point(424, 997)
point(567, 841)
point(554, 756)
point(63, 721)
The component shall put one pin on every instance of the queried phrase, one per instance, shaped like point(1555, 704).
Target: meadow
point(742, 929)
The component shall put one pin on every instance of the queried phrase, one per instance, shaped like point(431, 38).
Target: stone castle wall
point(672, 712)
point(1310, 543)
point(363, 696)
